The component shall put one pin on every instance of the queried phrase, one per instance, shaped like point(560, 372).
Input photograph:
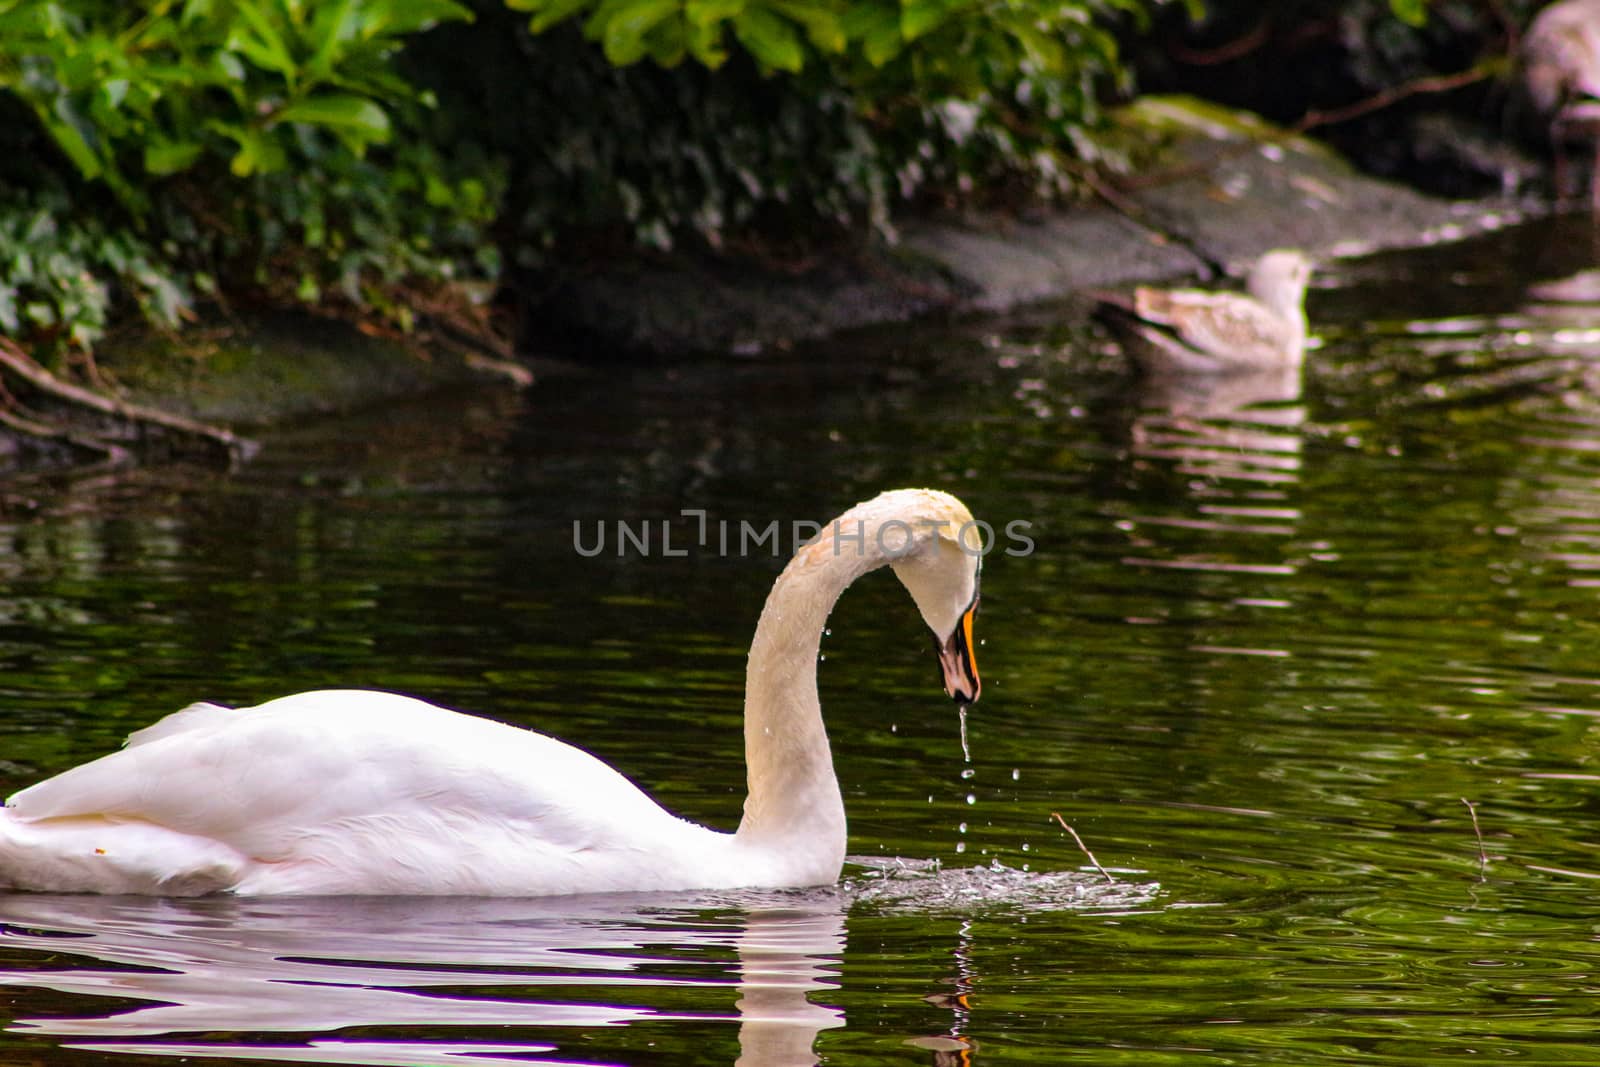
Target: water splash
point(900, 885)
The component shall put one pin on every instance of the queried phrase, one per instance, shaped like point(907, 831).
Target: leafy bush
point(132, 92)
point(782, 121)
point(652, 155)
point(255, 140)
point(58, 269)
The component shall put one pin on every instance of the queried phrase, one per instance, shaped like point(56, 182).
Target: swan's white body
point(346, 791)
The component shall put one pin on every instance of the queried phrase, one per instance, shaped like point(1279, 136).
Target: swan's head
point(1279, 279)
point(940, 571)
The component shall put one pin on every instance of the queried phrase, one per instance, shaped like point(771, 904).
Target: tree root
point(122, 414)
point(111, 454)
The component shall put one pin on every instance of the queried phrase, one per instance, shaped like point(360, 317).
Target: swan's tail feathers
point(95, 854)
point(193, 717)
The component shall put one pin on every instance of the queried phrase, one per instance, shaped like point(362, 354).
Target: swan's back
point(348, 791)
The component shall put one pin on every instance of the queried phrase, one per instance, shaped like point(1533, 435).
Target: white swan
point(348, 791)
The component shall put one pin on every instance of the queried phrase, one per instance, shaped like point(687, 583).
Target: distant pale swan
point(1200, 331)
point(346, 791)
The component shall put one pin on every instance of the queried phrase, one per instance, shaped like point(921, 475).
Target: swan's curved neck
point(793, 794)
point(1282, 295)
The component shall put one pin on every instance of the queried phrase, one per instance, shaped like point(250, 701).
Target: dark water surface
point(1272, 654)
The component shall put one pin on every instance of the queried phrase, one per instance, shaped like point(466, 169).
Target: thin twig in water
point(1483, 857)
point(1056, 815)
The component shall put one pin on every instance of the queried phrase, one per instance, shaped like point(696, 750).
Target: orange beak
point(957, 661)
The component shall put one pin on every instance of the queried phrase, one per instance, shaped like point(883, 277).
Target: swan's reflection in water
point(299, 975)
point(1235, 443)
point(1241, 426)
point(954, 1048)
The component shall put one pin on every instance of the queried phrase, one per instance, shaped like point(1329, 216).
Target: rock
point(1235, 186)
point(262, 369)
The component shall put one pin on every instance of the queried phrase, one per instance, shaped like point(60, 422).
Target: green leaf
point(398, 17)
point(918, 17)
point(332, 27)
point(877, 26)
point(354, 119)
point(162, 158)
point(547, 13)
point(259, 152)
point(197, 10)
point(1411, 12)
point(261, 43)
point(705, 13)
point(665, 43)
point(63, 125)
point(624, 33)
point(705, 44)
point(823, 24)
point(771, 39)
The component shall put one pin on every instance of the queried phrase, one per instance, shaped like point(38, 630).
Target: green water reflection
point(1268, 662)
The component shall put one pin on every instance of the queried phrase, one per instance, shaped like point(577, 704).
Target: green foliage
point(289, 147)
point(964, 36)
point(134, 92)
point(679, 154)
point(270, 144)
point(60, 273)
point(355, 152)
point(793, 113)
point(364, 233)
point(1411, 12)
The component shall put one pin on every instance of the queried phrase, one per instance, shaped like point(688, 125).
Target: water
point(1272, 651)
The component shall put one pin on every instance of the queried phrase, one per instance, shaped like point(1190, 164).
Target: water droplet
point(961, 846)
point(968, 773)
point(962, 828)
point(1025, 846)
point(1015, 774)
point(971, 799)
